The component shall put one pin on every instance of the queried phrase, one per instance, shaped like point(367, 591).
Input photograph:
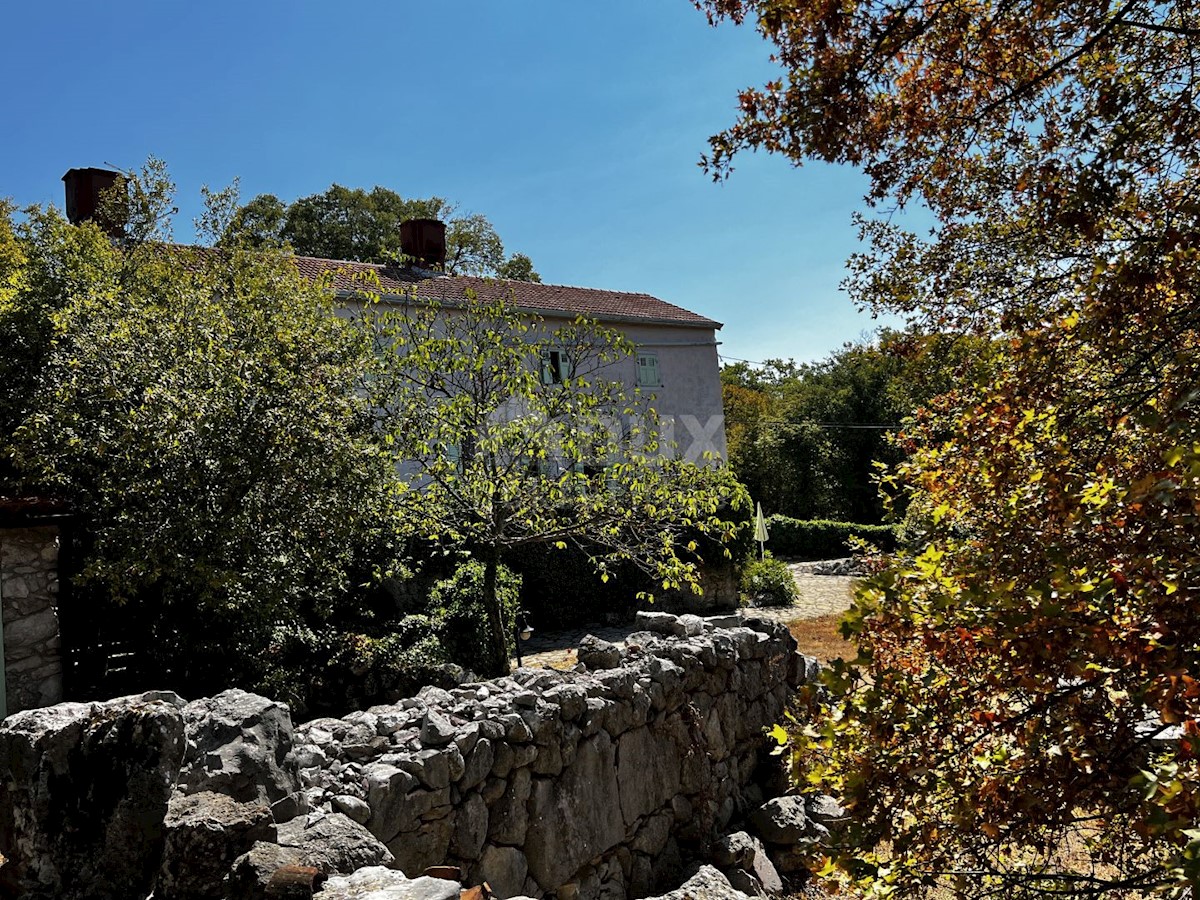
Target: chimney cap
point(90, 170)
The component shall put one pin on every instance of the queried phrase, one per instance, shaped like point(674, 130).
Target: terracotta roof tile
point(542, 298)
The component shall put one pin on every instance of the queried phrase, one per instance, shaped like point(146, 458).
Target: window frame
point(554, 366)
point(647, 354)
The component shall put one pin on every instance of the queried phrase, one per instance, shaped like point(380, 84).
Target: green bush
point(457, 608)
point(330, 672)
point(767, 582)
point(823, 539)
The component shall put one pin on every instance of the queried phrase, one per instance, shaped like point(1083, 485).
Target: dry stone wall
point(28, 589)
point(593, 783)
point(587, 783)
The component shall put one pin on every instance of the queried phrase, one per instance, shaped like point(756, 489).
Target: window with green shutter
point(647, 370)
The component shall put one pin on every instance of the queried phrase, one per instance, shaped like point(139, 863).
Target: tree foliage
point(806, 439)
point(510, 432)
point(364, 226)
point(199, 410)
point(1029, 675)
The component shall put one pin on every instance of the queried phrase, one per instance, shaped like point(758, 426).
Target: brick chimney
point(84, 201)
point(425, 241)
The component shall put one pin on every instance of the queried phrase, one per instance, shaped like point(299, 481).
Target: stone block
point(378, 883)
point(84, 789)
point(471, 828)
point(238, 744)
point(478, 764)
point(335, 844)
point(250, 873)
point(648, 767)
point(504, 868)
point(596, 653)
point(427, 846)
point(509, 817)
point(205, 833)
point(567, 827)
point(781, 820)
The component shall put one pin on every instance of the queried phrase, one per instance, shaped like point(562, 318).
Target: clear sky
point(575, 127)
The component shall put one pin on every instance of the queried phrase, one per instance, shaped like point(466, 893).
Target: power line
point(753, 362)
point(870, 427)
point(833, 425)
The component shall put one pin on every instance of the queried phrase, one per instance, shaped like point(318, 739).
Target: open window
point(554, 366)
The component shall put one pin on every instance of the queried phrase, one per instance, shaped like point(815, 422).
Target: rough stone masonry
point(596, 782)
point(29, 586)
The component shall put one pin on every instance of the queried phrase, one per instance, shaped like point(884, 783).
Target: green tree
point(518, 267)
point(258, 224)
point(807, 438)
point(745, 409)
point(1030, 670)
point(200, 411)
point(364, 226)
point(509, 432)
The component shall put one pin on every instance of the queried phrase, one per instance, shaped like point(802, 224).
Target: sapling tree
point(509, 431)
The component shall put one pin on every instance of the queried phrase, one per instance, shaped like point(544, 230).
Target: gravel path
point(820, 595)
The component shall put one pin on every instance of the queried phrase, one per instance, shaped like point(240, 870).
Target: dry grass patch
point(822, 638)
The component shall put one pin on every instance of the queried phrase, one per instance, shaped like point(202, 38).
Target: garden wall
point(584, 783)
point(595, 782)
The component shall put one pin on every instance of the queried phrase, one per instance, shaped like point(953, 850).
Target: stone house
point(675, 360)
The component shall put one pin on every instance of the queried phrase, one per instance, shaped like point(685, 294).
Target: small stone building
point(32, 671)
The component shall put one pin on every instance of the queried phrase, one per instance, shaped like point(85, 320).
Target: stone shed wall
point(28, 591)
point(582, 784)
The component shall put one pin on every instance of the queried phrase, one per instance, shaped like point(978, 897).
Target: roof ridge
point(558, 284)
point(602, 303)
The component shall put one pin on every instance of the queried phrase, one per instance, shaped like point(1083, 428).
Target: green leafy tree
point(807, 439)
point(200, 411)
point(509, 432)
point(364, 226)
point(518, 267)
point(1027, 718)
point(745, 409)
point(258, 224)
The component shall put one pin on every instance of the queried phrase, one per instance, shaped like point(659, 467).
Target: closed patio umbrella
point(760, 532)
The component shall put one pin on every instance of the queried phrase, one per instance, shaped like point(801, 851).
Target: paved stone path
point(820, 595)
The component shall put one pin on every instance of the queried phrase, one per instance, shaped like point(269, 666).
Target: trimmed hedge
point(823, 539)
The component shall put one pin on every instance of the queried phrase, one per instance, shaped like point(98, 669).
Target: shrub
point(457, 607)
point(824, 539)
point(328, 672)
point(767, 582)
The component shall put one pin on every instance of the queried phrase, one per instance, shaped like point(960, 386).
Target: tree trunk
point(497, 663)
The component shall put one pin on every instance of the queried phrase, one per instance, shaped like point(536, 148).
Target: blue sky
point(575, 127)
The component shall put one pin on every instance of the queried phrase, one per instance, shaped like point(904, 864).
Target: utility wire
point(833, 425)
point(753, 362)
